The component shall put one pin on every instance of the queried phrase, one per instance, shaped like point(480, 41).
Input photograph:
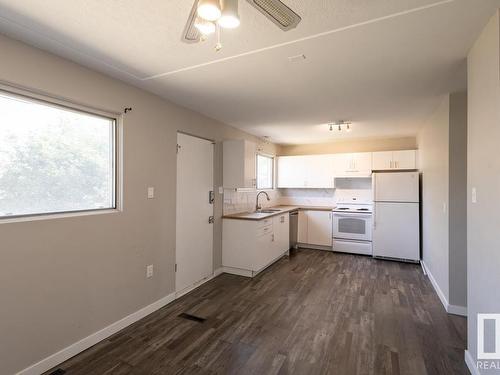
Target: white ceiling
point(381, 64)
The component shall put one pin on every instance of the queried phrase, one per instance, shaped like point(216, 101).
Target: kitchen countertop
point(282, 209)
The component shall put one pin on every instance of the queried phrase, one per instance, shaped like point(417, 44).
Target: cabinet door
point(250, 165)
point(405, 159)
point(302, 227)
point(344, 163)
point(281, 225)
point(291, 172)
point(362, 161)
point(319, 171)
point(319, 228)
point(382, 160)
point(263, 251)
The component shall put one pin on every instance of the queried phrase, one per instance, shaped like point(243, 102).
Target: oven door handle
point(353, 215)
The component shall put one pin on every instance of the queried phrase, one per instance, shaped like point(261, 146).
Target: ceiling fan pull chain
point(218, 46)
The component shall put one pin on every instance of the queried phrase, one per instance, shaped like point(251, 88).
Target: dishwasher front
point(294, 228)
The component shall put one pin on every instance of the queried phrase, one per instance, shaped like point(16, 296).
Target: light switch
point(474, 195)
point(149, 271)
point(151, 192)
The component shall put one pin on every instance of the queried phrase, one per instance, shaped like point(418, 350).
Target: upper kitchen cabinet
point(320, 171)
point(311, 171)
point(355, 165)
point(291, 172)
point(394, 160)
point(239, 164)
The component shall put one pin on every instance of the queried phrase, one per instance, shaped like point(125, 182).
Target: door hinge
point(175, 267)
point(178, 148)
point(211, 220)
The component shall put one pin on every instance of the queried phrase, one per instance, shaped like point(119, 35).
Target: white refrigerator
point(396, 221)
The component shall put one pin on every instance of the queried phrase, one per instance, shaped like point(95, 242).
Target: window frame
point(115, 153)
point(273, 171)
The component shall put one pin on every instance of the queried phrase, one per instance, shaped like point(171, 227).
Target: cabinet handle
point(272, 237)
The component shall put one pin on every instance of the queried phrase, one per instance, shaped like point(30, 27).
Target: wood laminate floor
point(316, 312)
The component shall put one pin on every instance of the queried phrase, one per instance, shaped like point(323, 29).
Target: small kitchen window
point(265, 171)
point(54, 158)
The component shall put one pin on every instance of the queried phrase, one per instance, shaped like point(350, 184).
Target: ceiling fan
point(210, 16)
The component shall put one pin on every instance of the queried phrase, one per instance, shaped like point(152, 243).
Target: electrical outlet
point(149, 271)
point(151, 192)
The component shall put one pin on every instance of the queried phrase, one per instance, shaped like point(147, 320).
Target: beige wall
point(433, 145)
point(443, 165)
point(483, 255)
point(63, 279)
point(361, 145)
point(458, 199)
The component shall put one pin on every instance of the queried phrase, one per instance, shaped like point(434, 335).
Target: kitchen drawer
point(264, 222)
point(265, 230)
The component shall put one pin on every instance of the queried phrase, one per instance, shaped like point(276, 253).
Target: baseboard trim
point(218, 271)
point(451, 309)
point(434, 283)
point(457, 310)
point(183, 292)
point(314, 247)
point(85, 343)
point(237, 271)
point(471, 363)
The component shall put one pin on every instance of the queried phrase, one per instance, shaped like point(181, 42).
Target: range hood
point(354, 174)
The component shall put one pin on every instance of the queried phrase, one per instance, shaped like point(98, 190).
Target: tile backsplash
point(348, 190)
point(236, 201)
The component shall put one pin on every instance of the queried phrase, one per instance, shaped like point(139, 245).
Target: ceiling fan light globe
point(209, 10)
point(204, 27)
point(229, 18)
point(229, 21)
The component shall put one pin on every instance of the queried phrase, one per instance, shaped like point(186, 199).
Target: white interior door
point(194, 232)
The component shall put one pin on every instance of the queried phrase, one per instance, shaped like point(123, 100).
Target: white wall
point(63, 279)
point(483, 247)
point(433, 145)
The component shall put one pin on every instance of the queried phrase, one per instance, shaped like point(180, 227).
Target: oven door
point(352, 226)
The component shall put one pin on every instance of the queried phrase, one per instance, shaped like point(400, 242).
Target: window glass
point(54, 159)
point(265, 167)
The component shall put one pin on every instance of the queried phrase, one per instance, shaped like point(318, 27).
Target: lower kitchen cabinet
point(249, 246)
point(315, 228)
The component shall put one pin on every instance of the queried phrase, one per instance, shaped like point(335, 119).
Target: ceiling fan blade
point(279, 13)
point(191, 33)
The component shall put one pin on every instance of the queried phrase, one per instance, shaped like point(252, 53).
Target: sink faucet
point(257, 207)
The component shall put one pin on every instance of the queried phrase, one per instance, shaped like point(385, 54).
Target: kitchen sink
point(268, 211)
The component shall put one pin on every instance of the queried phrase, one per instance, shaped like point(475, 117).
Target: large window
point(54, 159)
point(265, 171)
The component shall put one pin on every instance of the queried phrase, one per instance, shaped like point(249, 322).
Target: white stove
point(352, 228)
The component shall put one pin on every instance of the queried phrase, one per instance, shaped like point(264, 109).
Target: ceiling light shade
point(229, 18)
point(209, 10)
point(204, 27)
